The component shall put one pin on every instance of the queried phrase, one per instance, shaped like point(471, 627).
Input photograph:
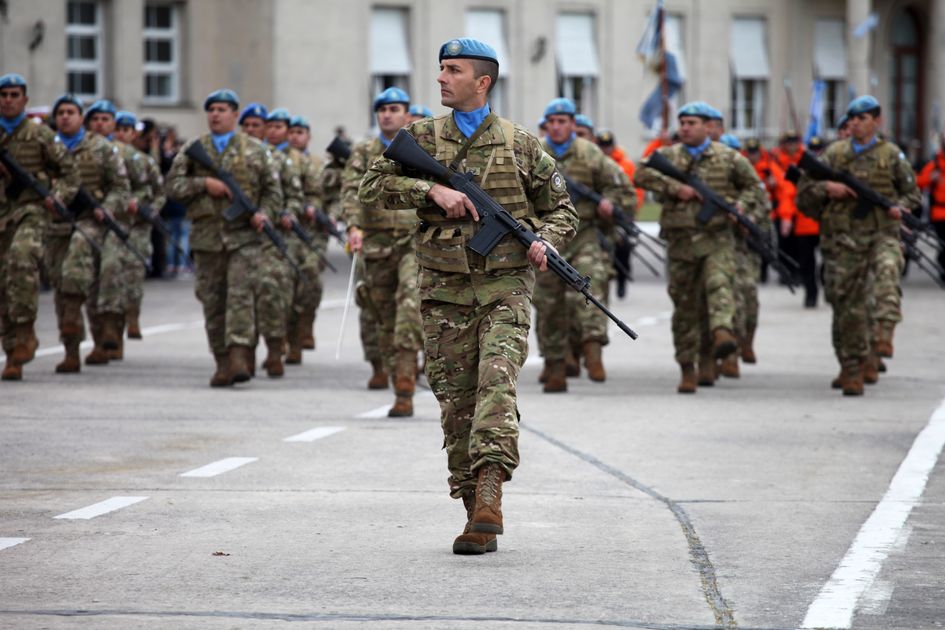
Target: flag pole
point(664, 78)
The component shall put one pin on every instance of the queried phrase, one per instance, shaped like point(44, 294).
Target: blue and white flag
point(653, 106)
point(815, 121)
point(648, 48)
point(863, 28)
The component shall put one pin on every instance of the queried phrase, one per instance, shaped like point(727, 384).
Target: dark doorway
point(905, 119)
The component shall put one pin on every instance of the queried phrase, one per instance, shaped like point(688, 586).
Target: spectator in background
point(174, 212)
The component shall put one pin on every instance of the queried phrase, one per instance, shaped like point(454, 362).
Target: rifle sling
point(481, 129)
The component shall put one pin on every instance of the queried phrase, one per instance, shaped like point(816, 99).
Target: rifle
point(922, 260)
point(495, 222)
point(712, 202)
point(83, 200)
point(339, 149)
point(24, 179)
point(150, 215)
point(309, 241)
point(324, 222)
point(241, 203)
point(609, 249)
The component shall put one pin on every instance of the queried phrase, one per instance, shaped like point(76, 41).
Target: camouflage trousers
point(562, 312)
point(274, 287)
point(702, 289)
point(747, 272)
point(392, 284)
point(121, 285)
point(73, 269)
point(861, 284)
point(225, 285)
point(367, 317)
point(473, 358)
point(21, 250)
point(306, 295)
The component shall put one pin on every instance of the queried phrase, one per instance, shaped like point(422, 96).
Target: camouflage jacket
point(145, 180)
point(372, 218)
point(102, 173)
point(509, 164)
point(329, 187)
point(37, 149)
point(251, 165)
point(883, 167)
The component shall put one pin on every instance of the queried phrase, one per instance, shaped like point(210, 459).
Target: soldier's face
point(584, 132)
point(459, 87)
point(126, 134)
point(68, 119)
point(255, 127)
point(222, 117)
point(277, 132)
point(101, 123)
point(692, 130)
point(299, 137)
point(12, 101)
point(863, 126)
point(391, 117)
point(714, 129)
point(559, 127)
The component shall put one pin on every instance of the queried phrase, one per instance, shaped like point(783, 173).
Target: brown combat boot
point(593, 361)
point(71, 322)
point(882, 366)
point(131, 321)
point(221, 377)
point(871, 369)
point(729, 367)
point(723, 343)
point(748, 347)
point(118, 353)
point(487, 513)
point(307, 330)
point(98, 356)
point(572, 366)
point(883, 342)
point(12, 371)
point(707, 371)
point(273, 362)
point(403, 407)
point(379, 379)
point(837, 382)
point(239, 360)
point(687, 383)
point(545, 371)
point(71, 364)
point(851, 378)
point(26, 343)
point(294, 355)
point(473, 543)
point(405, 373)
point(112, 325)
point(557, 380)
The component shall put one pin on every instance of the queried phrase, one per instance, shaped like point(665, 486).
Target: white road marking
point(6, 543)
point(219, 467)
point(102, 507)
point(839, 597)
point(314, 434)
point(381, 412)
point(145, 332)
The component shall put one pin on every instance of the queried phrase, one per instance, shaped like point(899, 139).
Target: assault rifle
point(323, 221)
point(713, 202)
point(151, 215)
point(83, 201)
point(309, 241)
point(922, 260)
point(23, 179)
point(495, 222)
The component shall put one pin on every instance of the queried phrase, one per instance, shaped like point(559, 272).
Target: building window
point(161, 54)
point(389, 52)
point(830, 66)
point(750, 74)
point(576, 56)
point(84, 49)
point(488, 25)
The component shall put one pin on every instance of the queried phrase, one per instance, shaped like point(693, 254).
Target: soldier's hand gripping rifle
point(149, 214)
point(24, 179)
point(241, 203)
point(712, 202)
point(83, 201)
point(309, 240)
point(495, 222)
point(326, 224)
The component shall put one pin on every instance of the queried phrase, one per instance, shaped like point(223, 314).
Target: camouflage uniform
point(227, 254)
point(860, 251)
point(24, 220)
point(477, 310)
point(701, 256)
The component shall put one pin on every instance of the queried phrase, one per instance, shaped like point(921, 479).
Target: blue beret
point(420, 110)
point(730, 141)
point(843, 121)
point(391, 96)
point(862, 105)
point(68, 98)
point(102, 106)
point(468, 48)
point(299, 121)
point(715, 114)
point(584, 121)
point(560, 106)
point(12, 80)
point(125, 119)
point(700, 109)
point(254, 110)
point(279, 114)
point(221, 96)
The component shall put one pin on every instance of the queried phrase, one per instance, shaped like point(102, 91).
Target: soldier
point(418, 112)
point(701, 263)
point(385, 238)
point(476, 311)
point(24, 219)
point(560, 310)
point(227, 253)
point(860, 251)
point(253, 120)
point(584, 127)
point(72, 263)
point(715, 126)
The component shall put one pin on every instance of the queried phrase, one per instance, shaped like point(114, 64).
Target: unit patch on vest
point(557, 183)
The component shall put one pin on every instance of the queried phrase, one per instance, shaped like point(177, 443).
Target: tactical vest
point(441, 243)
point(25, 146)
point(715, 172)
point(576, 164)
point(374, 219)
point(873, 167)
point(208, 207)
point(88, 166)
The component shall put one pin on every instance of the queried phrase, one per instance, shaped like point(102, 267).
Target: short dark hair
point(483, 67)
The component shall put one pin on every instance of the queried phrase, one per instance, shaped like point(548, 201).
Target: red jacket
point(803, 224)
point(937, 187)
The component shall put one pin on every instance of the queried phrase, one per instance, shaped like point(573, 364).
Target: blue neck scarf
point(468, 122)
point(72, 142)
point(384, 140)
point(220, 140)
point(561, 148)
point(695, 152)
point(12, 123)
point(859, 148)
point(282, 146)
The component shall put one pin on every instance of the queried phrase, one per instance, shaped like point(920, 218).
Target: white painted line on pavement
point(839, 597)
point(219, 467)
point(102, 507)
point(314, 434)
point(381, 412)
point(6, 543)
point(145, 332)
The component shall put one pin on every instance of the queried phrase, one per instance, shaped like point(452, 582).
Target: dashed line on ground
point(6, 543)
point(313, 434)
point(100, 508)
point(219, 467)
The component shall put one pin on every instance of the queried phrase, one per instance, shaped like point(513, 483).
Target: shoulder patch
point(557, 182)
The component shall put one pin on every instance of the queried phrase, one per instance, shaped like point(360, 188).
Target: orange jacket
point(937, 187)
point(656, 143)
point(619, 156)
point(803, 224)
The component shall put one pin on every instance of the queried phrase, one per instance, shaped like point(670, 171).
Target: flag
point(653, 106)
point(863, 28)
point(815, 121)
point(649, 45)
